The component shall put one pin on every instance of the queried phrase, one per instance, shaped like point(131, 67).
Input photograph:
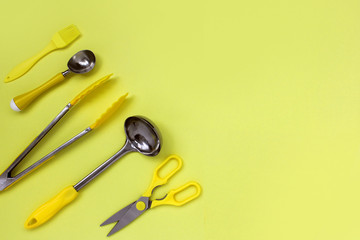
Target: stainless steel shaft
point(124, 150)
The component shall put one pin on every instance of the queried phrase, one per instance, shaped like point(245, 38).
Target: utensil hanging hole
point(32, 222)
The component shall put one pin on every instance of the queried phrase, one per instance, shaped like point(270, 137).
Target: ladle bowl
point(142, 135)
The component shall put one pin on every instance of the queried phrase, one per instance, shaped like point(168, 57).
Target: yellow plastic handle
point(22, 101)
point(170, 198)
point(51, 207)
point(25, 66)
point(157, 180)
point(89, 89)
point(106, 115)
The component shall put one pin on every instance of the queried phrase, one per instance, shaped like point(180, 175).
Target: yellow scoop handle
point(23, 100)
point(51, 207)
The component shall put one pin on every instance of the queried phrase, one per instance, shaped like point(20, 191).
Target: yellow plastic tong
point(6, 180)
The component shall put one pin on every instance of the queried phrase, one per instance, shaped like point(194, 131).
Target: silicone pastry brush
point(6, 178)
point(60, 40)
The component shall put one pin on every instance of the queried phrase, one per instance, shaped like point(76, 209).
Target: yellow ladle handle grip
point(51, 207)
point(23, 100)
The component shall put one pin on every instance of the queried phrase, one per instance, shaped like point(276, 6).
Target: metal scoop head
point(82, 62)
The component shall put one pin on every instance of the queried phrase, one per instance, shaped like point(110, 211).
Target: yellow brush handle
point(22, 101)
point(25, 66)
point(51, 207)
point(157, 180)
point(170, 198)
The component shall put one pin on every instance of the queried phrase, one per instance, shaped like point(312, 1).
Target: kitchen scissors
point(144, 203)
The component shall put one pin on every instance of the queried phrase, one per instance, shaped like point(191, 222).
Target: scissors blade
point(117, 216)
point(131, 214)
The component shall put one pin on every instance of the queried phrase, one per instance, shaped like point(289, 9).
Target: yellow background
point(260, 98)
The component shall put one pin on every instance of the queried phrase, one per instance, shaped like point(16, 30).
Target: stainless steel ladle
point(141, 136)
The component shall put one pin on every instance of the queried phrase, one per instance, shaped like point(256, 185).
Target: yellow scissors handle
point(170, 198)
point(157, 180)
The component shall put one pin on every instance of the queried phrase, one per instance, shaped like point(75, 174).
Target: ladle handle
point(23, 100)
point(124, 150)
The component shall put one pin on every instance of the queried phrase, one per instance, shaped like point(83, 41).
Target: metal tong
point(6, 178)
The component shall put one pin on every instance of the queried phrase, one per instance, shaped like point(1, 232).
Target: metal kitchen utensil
point(141, 136)
point(6, 178)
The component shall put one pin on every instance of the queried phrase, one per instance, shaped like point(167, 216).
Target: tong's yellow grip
point(157, 180)
point(51, 207)
point(170, 198)
point(89, 89)
point(109, 112)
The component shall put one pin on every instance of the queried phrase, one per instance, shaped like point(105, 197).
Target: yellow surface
point(260, 99)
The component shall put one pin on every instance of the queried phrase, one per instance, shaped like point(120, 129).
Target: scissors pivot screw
point(140, 206)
